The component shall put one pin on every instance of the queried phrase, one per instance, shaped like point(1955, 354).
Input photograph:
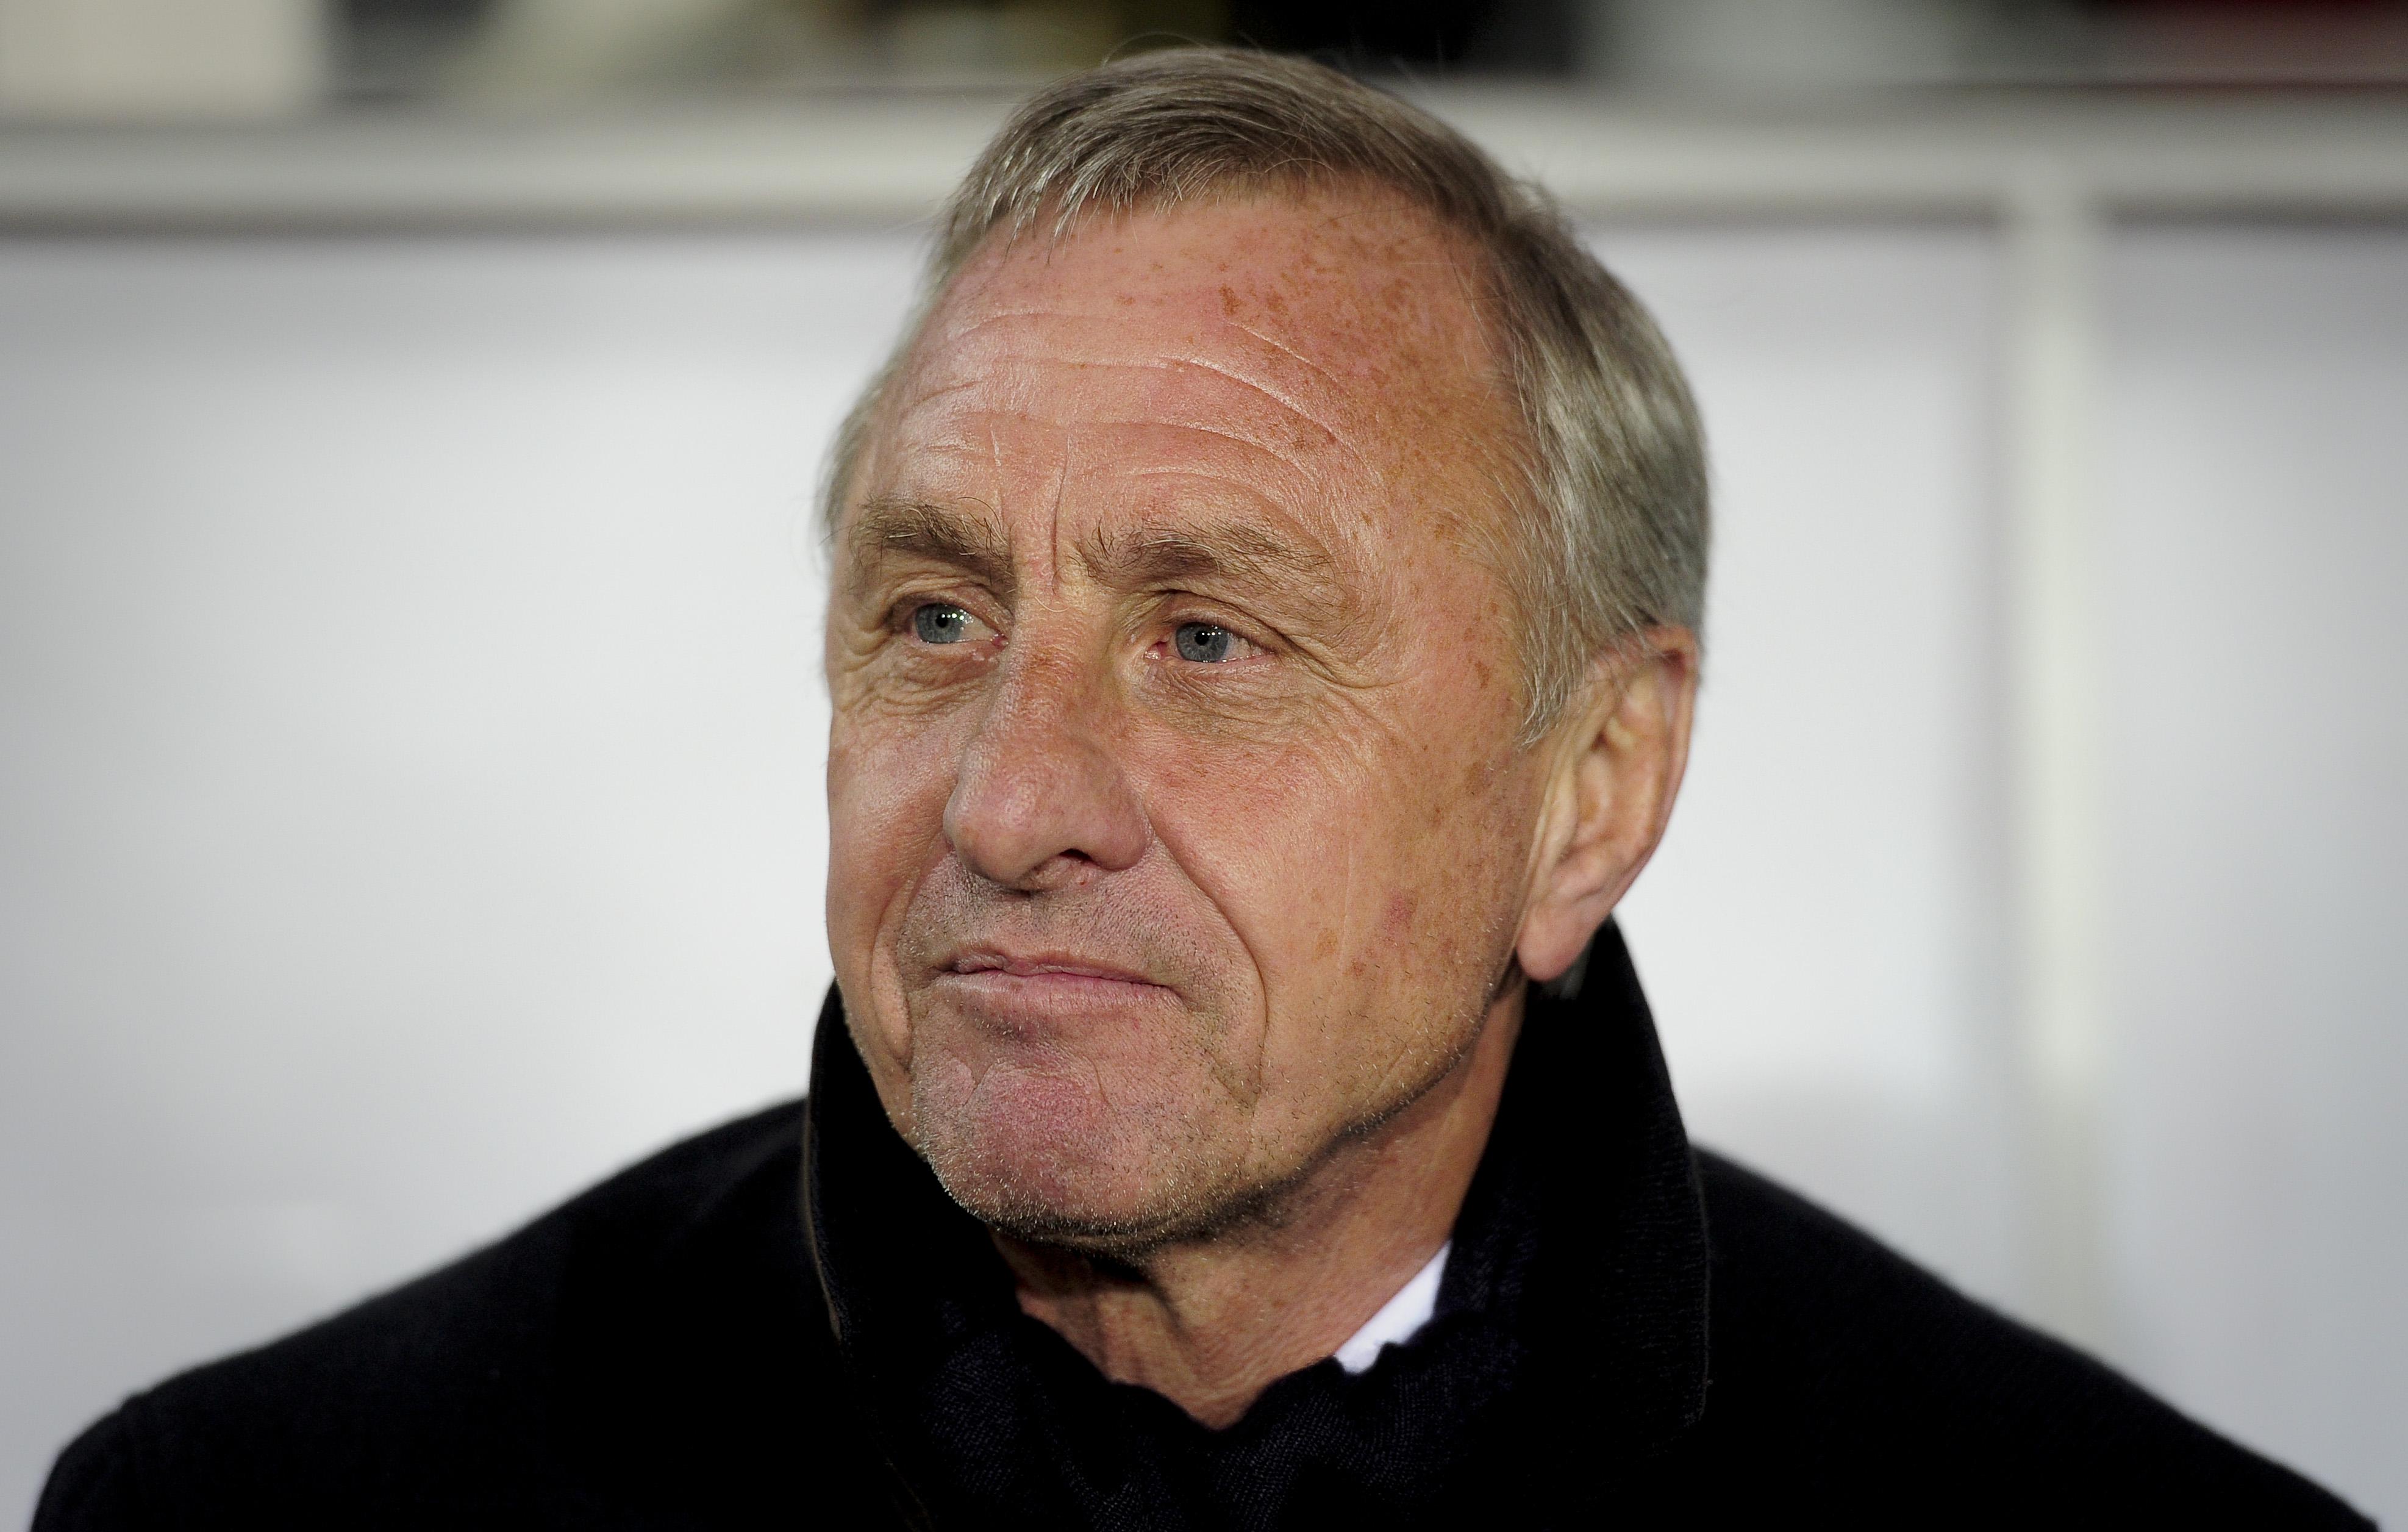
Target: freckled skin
point(1293, 881)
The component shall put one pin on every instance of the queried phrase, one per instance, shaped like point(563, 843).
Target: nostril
point(1045, 820)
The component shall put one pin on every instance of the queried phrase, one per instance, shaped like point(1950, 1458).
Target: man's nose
point(1041, 801)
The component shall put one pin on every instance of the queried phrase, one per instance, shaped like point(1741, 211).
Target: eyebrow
point(1126, 557)
point(924, 529)
point(1139, 556)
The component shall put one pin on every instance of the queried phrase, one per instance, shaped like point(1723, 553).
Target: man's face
point(1179, 829)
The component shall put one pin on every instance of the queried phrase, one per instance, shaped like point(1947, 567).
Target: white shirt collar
point(1400, 1319)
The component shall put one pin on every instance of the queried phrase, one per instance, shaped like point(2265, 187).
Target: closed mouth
point(1045, 968)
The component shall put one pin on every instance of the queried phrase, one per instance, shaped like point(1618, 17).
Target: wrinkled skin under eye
point(1203, 642)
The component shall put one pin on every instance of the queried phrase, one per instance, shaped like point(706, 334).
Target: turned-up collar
point(1589, 1181)
point(1579, 1261)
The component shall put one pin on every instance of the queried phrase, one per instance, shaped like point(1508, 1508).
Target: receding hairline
point(1296, 185)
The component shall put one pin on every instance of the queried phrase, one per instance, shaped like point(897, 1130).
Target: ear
point(1617, 764)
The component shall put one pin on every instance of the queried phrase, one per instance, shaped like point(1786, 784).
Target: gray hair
point(1613, 464)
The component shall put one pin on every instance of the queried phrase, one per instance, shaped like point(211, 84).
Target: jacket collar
point(1589, 1161)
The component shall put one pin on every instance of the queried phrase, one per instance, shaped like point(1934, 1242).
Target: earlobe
point(1612, 795)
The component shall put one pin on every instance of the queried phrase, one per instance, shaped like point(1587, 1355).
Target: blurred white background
point(410, 731)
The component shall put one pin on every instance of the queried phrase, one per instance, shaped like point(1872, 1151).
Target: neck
point(1209, 1324)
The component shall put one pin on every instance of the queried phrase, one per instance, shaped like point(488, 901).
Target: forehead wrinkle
point(1104, 362)
point(1291, 405)
point(1012, 359)
point(1286, 349)
point(1233, 437)
point(1061, 489)
point(930, 394)
point(986, 446)
point(963, 326)
point(1088, 323)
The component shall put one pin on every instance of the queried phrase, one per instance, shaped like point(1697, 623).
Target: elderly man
point(1263, 638)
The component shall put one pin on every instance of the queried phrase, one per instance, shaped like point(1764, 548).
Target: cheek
point(887, 790)
point(1372, 873)
point(871, 810)
point(890, 774)
point(1317, 854)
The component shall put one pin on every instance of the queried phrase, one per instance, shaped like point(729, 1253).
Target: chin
point(1045, 1159)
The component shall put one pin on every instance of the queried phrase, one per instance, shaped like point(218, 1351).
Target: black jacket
point(784, 1323)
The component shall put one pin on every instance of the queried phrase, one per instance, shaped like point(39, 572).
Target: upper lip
point(1030, 965)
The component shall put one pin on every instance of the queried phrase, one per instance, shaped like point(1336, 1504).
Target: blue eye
point(940, 623)
point(1201, 642)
